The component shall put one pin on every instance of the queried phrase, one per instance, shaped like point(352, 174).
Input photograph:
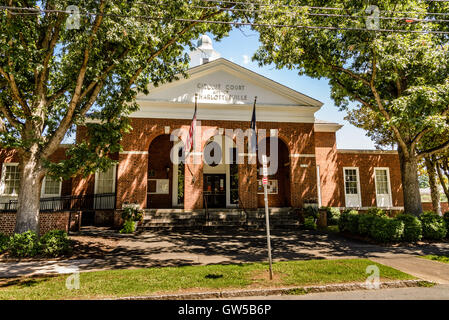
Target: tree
point(433, 183)
point(442, 168)
point(399, 80)
point(52, 75)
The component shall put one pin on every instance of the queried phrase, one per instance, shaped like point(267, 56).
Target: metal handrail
point(105, 201)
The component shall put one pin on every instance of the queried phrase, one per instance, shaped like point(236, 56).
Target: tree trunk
point(31, 176)
point(434, 191)
point(442, 179)
point(410, 183)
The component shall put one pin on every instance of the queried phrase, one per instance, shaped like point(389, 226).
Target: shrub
point(333, 215)
point(311, 211)
point(133, 214)
point(384, 229)
point(3, 243)
point(349, 221)
point(376, 212)
point(365, 223)
point(412, 227)
point(128, 227)
point(446, 219)
point(433, 226)
point(24, 244)
point(55, 243)
point(309, 223)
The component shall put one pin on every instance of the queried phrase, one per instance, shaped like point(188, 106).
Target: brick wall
point(133, 168)
point(332, 162)
point(427, 206)
point(11, 156)
point(47, 222)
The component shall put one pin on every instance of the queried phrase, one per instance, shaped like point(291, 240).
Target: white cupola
point(204, 52)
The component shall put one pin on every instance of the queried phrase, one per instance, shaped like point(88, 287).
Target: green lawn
point(121, 283)
point(444, 259)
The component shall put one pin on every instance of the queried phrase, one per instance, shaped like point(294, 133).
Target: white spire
point(204, 52)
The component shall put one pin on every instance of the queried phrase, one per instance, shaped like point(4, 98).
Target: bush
point(24, 244)
point(333, 215)
point(365, 223)
point(412, 227)
point(55, 243)
point(128, 227)
point(376, 212)
point(311, 211)
point(446, 219)
point(349, 221)
point(384, 229)
point(3, 243)
point(309, 223)
point(133, 214)
point(433, 226)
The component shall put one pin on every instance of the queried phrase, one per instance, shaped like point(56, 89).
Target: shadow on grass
point(26, 282)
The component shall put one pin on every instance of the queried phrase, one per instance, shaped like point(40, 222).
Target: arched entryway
point(279, 190)
point(220, 173)
point(160, 173)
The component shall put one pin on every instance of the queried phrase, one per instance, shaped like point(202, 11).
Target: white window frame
point(114, 178)
point(318, 183)
point(388, 185)
point(48, 195)
point(358, 186)
point(3, 183)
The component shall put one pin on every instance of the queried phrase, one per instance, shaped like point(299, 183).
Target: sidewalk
point(424, 269)
point(105, 249)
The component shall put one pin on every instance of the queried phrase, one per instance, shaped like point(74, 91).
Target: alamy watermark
point(373, 280)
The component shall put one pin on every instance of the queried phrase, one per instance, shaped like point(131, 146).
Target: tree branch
point(441, 147)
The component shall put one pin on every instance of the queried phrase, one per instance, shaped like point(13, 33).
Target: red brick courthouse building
point(310, 168)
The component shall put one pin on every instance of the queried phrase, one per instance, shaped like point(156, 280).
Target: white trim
point(298, 155)
point(358, 186)
point(366, 208)
point(226, 112)
point(114, 178)
point(134, 152)
point(357, 151)
point(327, 127)
point(242, 73)
point(2, 182)
point(45, 195)
point(390, 196)
point(318, 184)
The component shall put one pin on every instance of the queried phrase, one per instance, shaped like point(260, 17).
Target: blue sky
point(240, 46)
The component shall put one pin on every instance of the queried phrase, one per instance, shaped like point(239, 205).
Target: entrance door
point(215, 190)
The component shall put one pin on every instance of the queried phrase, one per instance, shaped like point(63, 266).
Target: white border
point(388, 183)
point(358, 185)
point(2, 183)
point(318, 183)
point(47, 195)
point(114, 177)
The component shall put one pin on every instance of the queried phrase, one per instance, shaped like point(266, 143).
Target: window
point(351, 181)
point(383, 188)
point(352, 187)
point(10, 179)
point(51, 186)
point(382, 181)
point(105, 181)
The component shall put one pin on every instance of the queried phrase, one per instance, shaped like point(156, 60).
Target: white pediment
point(224, 82)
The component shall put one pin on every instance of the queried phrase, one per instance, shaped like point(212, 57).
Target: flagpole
point(193, 145)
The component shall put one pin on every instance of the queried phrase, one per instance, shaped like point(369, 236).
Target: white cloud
point(246, 59)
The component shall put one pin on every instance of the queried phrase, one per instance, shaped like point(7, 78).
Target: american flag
point(189, 142)
point(254, 129)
